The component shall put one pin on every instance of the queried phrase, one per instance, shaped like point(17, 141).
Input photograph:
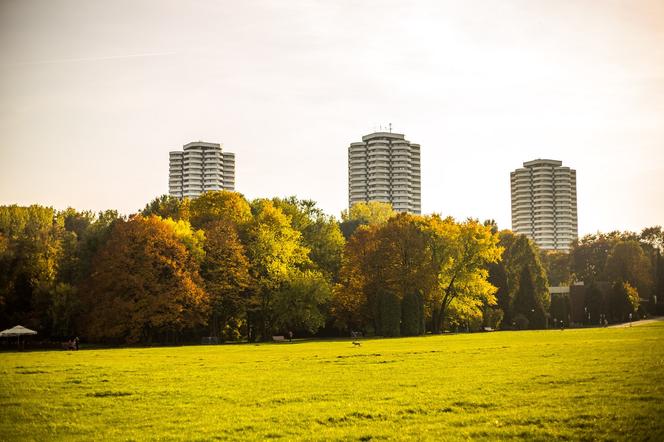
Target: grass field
point(574, 384)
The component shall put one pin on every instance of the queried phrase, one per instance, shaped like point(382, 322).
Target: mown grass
point(574, 384)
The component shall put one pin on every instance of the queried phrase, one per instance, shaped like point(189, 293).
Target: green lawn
point(574, 384)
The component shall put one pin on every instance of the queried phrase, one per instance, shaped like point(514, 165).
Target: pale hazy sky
point(94, 94)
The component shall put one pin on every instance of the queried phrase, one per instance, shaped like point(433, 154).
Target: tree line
point(222, 266)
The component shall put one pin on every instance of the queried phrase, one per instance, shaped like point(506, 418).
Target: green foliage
point(387, 316)
point(225, 271)
point(560, 308)
point(283, 263)
point(521, 253)
point(192, 239)
point(628, 263)
point(221, 205)
point(320, 233)
point(589, 255)
point(167, 206)
point(622, 256)
point(439, 259)
point(493, 317)
point(372, 212)
point(557, 267)
point(595, 302)
point(461, 255)
point(623, 301)
point(521, 321)
point(298, 305)
point(276, 254)
point(413, 319)
point(31, 252)
point(360, 214)
point(527, 303)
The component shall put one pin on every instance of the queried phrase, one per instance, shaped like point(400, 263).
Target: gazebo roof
point(19, 330)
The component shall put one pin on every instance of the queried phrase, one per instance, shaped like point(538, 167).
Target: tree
point(498, 279)
point(192, 239)
point(220, 205)
point(520, 252)
point(320, 233)
point(560, 307)
point(404, 257)
point(527, 303)
point(556, 265)
point(595, 302)
point(349, 303)
point(384, 276)
point(144, 284)
point(31, 251)
point(654, 238)
point(628, 263)
point(275, 253)
point(167, 206)
point(589, 255)
point(371, 213)
point(225, 271)
point(297, 306)
point(463, 274)
point(623, 300)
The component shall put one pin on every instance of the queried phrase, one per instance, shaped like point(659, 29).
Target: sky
point(94, 94)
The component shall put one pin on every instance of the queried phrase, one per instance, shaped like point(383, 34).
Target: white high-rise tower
point(200, 167)
point(385, 167)
point(544, 203)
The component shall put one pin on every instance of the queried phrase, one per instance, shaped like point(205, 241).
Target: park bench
point(278, 338)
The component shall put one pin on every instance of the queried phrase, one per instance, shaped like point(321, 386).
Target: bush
point(521, 322)
point(493, 317)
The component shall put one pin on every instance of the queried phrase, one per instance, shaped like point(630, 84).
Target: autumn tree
point(168, 206)
point(276, 256)
point(220, 205)
point(623, 299)
point(369, 213)
point(144, 284)
point(463, 274)
point(356, 280)
point(407, 275)
point(628, 263)
point(383, 275)
point(320, 233)
point(396, 269)
point(225, 270)
point(31, 252)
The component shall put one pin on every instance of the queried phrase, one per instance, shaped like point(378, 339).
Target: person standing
point(76, 341)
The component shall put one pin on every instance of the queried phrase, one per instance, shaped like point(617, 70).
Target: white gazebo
point(17, 331)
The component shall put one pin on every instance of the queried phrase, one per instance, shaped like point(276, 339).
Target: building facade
point(198, 168)
point(385, 167)
point(544, 203)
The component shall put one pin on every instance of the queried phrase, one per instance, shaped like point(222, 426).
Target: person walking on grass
point(290, 336)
